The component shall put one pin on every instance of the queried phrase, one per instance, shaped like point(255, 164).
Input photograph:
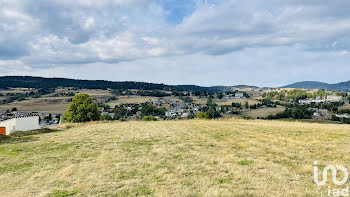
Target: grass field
point(263, 112)
point(44, 105)
point(226, 101)
point(49, 103)
point(173, 158)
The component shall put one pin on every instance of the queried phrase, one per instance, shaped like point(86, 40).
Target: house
point(309, 101)
point(239, 95)
point(319, 112)
point(172, 112)
point(185, 114)
point(25, 123)
point(347, 116)
point(333, 98)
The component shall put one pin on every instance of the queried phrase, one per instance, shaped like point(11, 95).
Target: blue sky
point(203, 42)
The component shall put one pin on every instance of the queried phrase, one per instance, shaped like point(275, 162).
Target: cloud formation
point(48, 34)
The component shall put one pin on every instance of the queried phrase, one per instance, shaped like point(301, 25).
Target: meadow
point(230, 157)
point(49, 103)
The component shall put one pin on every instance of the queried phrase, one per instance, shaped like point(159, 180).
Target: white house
point(239, 95)
point(309, 101)
point(19, 124)
point(334, 98)
point(342, 115)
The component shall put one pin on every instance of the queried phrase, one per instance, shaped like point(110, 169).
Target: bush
point(106, 117)
point(247, 117)
point(202, 115)
point(149, 118)
point(82, 109)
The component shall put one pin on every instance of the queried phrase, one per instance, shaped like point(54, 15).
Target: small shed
point(25, 123)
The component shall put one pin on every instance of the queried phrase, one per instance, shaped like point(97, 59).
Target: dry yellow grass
point(49, 103)
point(131, 99)
point(263, 112)
point(174, 158)
point(44, 105)
point(226, 101)
point(138, 99)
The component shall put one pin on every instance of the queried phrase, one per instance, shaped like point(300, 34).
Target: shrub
point(202, 115)
point(106, 117)
point(149, 118)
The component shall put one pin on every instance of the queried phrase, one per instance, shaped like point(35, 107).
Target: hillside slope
point(345, 86)
point(41, 82)
point(174, 158)
point(309, 84)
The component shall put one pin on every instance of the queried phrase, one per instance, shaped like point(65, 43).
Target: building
point(347, 116)
point(239, 95)
point(330, 98)
point(334, 98)
point(25, 123)
point(309, 101)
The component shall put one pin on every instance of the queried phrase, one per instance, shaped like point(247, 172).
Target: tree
point(82, 109)
point(212, 113)
point(149, 110)
point(120, 113)
point(210, 102)
point(220, 95)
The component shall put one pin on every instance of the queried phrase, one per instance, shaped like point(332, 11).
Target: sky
point(202, 42)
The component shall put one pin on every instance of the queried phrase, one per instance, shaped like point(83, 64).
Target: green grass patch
point(15, 167)
point(223, 180)
point(245, 162)
point(138, 190)
point(32, 132)
point(63, 193)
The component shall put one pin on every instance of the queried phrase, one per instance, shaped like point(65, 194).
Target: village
point(166, 108)
point(14, 120)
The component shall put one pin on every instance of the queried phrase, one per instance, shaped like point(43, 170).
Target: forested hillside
point(40, 82)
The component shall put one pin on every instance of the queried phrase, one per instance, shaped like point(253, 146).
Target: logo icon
point(333, 170)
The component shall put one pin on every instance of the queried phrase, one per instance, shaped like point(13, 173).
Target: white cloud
point(48, 34)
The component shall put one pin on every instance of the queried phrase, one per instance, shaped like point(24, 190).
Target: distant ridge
point(41, 82)
point(344, 86)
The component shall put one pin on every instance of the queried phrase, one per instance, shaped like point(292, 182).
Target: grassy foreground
point(173, 158)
